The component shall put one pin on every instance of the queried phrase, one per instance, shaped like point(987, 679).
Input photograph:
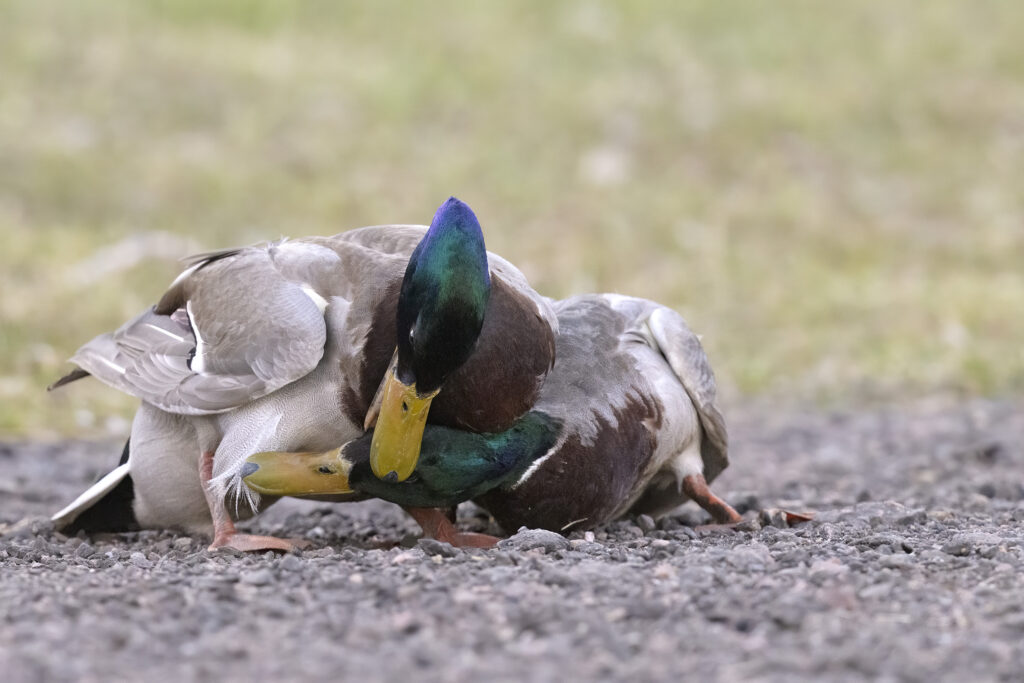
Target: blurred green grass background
point(830, 192)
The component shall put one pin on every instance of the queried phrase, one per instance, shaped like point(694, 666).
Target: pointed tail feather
point(92, 495)
point(76, 374)
point(105, 506)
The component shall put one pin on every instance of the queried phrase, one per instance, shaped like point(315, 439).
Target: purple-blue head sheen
point(443, 299)
point(455, 235)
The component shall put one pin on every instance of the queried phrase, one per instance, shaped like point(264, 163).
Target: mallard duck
point(625, 422)
point(300, 345)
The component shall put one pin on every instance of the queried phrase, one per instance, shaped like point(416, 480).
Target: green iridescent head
point(443, 298)
point(441, 307)
point(455, 465)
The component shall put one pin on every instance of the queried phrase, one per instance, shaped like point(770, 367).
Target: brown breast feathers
point(498, 383)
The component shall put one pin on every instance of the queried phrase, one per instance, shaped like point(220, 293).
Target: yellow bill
point(276, 473)
point(395, 448)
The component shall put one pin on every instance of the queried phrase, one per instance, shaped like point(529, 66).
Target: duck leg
point(696, 487)
point(224, 533)
point(436, 525)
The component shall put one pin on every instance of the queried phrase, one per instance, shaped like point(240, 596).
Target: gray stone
point(257, 577)
point(773, 517)
point(290, 563)
point(432, 546)
point(139, 560)
point(529, 539)
point(646, 523)
point(965, 543)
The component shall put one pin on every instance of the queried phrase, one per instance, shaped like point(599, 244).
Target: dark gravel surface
point(912, 570)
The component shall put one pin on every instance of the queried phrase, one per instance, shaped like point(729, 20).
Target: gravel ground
point(912, 570)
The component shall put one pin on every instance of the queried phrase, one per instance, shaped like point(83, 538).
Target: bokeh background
point(831, 193)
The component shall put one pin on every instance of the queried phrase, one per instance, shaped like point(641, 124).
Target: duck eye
point(325, 469)
point(405, 407)
point(412, 334)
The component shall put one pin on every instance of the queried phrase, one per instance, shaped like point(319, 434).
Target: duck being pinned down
point(627, 421)
point(300, 345)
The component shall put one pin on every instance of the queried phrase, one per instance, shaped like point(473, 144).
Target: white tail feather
point(92, 495)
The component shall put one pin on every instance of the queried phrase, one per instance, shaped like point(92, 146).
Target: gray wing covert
point(234, 327)
point(685, 355)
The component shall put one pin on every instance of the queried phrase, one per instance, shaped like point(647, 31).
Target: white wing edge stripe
point(198, 361)
point(535, 465)
point(91, 495)
point(163, 331)
point(320, 302)
point(185, 273)
point(574, 523)
point(114, 366)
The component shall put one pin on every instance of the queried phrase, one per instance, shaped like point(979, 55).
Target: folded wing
point(232, 328)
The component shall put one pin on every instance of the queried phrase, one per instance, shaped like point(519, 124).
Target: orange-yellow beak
point(397, 438)
point(297, 474)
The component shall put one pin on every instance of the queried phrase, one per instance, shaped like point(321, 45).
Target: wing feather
point(235, 328)
point(685, 355)
point(240, 323)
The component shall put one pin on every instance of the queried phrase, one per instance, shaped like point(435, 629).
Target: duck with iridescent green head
point(301, 345)
point(626, 422)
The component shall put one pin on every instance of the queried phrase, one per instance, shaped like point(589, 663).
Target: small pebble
point(752, 524)
point(257, 577)
point(773, 517)
point(432, 546)
point(139, 560)
point(290, 563)
point(529, 539)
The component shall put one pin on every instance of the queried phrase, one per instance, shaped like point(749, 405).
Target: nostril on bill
point(249, 468)
point(391, 477)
